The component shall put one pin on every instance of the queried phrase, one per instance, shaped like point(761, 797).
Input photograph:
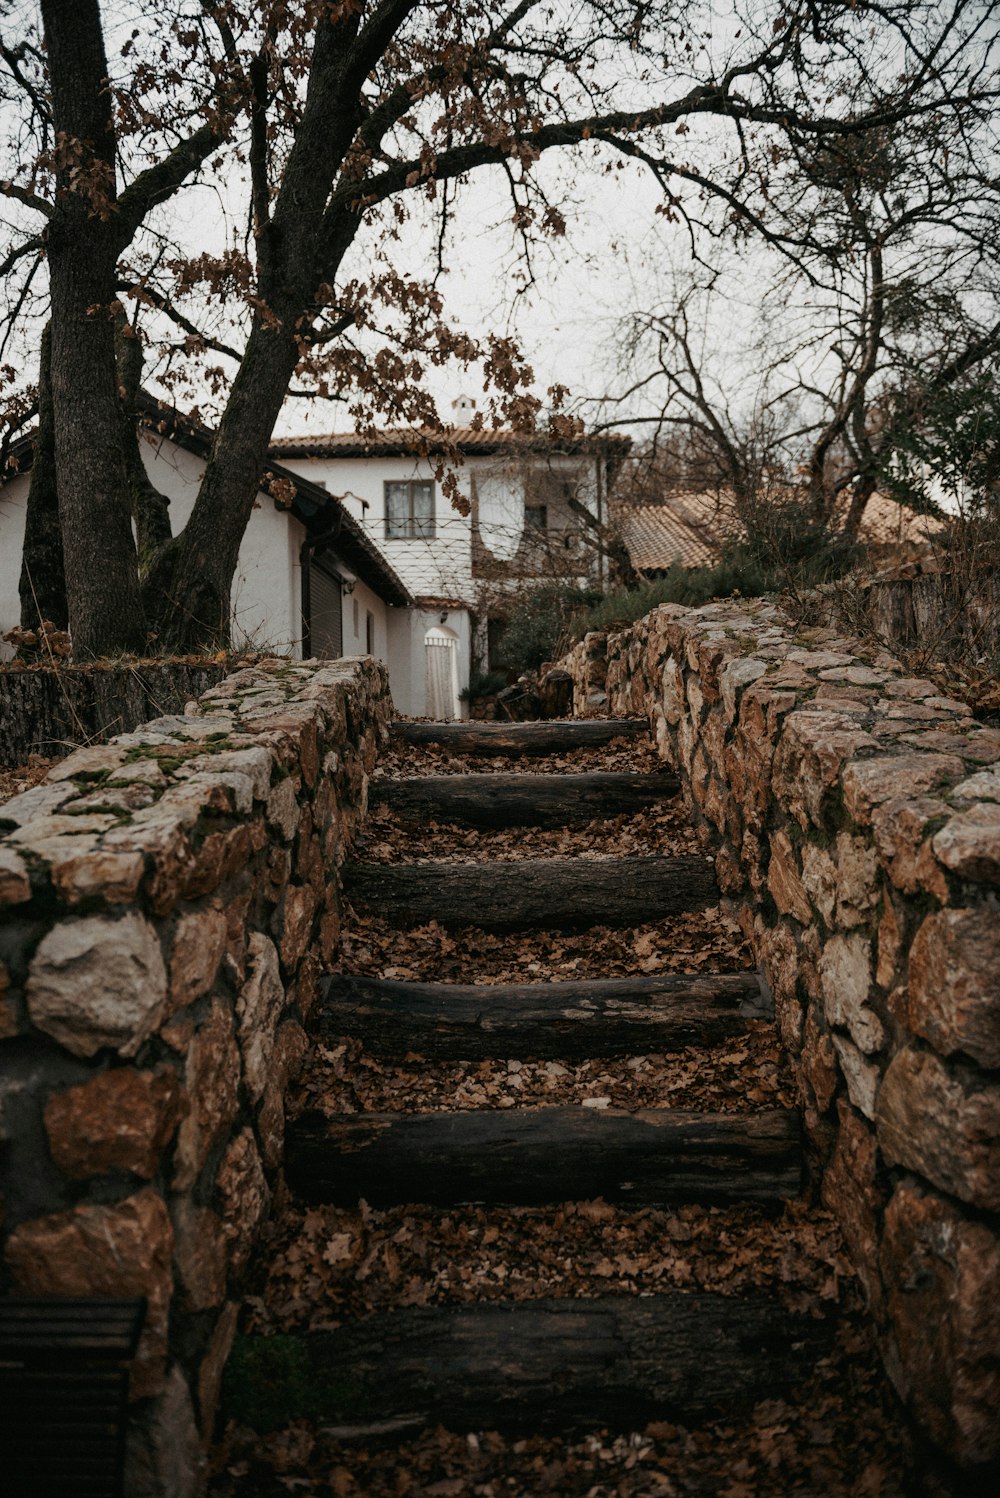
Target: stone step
point(530, 1366)
point(558, 736)
point(533, 1156)
point(565, 893)
point(492, 801)
point(540, 1021)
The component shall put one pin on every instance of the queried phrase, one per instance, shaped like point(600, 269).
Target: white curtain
point(440, 655)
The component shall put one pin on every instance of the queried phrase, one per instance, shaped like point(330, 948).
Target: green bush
point(483, 684)
point(538, 622)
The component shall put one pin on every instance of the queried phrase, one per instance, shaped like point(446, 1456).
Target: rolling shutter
point(326, 609)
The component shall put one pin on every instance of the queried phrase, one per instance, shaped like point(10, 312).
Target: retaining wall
point(855, 814)
point(168, 901)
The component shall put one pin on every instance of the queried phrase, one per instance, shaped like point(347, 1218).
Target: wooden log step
point(568, 893)
point(530, 1156)
point(556, 737)
point(519, 800)
point(537, 1365)
point(569, 1021)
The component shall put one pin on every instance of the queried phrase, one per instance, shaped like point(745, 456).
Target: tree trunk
point(528, 1157)
point(102, 584)
point(150, 508)
point(549, 1364)
point(520, 800)
point(42, 587)
point(566, 893)
point(578, 1019)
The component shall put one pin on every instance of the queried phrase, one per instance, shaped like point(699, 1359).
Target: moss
point(271, 1380)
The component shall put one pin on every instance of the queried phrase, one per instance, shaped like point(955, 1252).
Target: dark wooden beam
point(567, 893)
point(530, 1156)
point(587, 1017)
point(519, 800)
point(556, 737)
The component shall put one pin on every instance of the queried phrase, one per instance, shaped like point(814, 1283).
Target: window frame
point(411, 532)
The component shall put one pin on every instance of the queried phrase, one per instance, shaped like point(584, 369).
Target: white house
point(371, 556)
point(531, 508)
point(308, 580)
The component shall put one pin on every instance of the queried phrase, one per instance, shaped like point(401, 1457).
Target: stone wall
point(855, 814)
point(168, 901)
point(46, 710)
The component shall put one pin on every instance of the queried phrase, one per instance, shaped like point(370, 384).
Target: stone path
point(552, 1218)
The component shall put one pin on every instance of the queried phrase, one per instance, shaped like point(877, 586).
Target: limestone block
point(895, 777)
point(200, 1255)
point(819, 879)
point(164, 1457)
point(95, 760)
point(941, 1272)
point(969, 845)
point(953, 996)
point(900, 827)
point(917, 687)
point(258, 1007)
point(199, 942)
point(890, 945)
point(244, 1199)
point(95, 982)
point(105, 1250)
point(138, 772)
point(845, 980)
point(94, 873)
point(283, 809)
point(735, 676)
point(211, 1078)
point(15, 885)
point(41, 801)
point(160, 837)
point(943, 1123)
point(783, 879)
point(253, 763)
point(120, 1120)
point(983, 786)
point(861, 1075)
point(819, 1063)
point(814, 748)
point(854, 1192)
point(212, 1367)
point(857, 880)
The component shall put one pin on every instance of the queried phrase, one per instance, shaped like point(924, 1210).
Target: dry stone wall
point(855, 814)
point(168, 901)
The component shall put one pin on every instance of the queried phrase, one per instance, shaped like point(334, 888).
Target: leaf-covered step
point(493, 801)
point(555, 1364)
point(559, 736)
point(566, 893)
point(527, 1157)
point(560, 1021)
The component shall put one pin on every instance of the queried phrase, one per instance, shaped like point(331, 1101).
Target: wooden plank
point(531, 1156)
point(567, 893)
point(519, 800)
point(539, 1365)
point(596, 1017)
point(559, 736)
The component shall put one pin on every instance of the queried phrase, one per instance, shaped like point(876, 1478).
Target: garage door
point(326, 610)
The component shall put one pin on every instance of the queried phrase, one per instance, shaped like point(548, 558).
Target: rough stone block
point(861, 1075)
point(941, 1272)
point(243, 1196)
point(969, 845)
point(121, 1120)
point(845, 977)
point(954, 983)
point(901, 837)
point(943, 1122)
point(211, 1078)
point(96, 982)
point(258, 1007)
point(200, 1255)
point(15, 885)
point(854, 1192)
point(896, 777)
point(198, 946)
point(783, 879)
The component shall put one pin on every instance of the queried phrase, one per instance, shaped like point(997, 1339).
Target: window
point(370, 634)
point(535, 517)
point(409, 509)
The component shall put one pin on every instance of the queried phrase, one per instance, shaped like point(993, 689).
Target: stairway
point(543, 1364)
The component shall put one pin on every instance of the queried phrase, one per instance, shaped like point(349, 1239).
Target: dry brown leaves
point(661, 831)
point(325, 1265)
point(699, 942)
point(740, 1075)
point(23, 777)
point(637, 756)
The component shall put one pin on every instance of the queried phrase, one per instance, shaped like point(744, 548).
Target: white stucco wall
point(13, 502)
point(407, 661)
